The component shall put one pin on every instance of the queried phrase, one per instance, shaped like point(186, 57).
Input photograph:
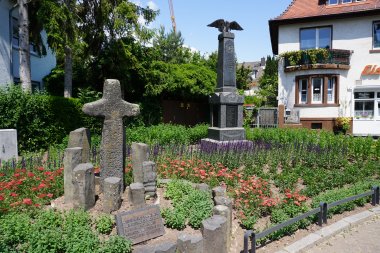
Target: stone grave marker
point(8, 144)
point(140, 224)
point(81, 138)
point(140, 154)
point(113, 109)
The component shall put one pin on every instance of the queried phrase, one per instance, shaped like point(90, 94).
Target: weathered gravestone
point(140, 224)
point(140, 154)
point(84, 186)
point(150, 178)
point(8, 144)
point(113, 109)
point(72, 158)
point(81, 138)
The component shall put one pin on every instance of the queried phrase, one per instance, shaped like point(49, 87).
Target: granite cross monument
point(113, 109)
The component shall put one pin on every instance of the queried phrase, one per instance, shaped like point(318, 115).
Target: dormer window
point(335, 2)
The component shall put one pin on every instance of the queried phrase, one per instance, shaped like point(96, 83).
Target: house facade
point(339, 79)
point(9, 56)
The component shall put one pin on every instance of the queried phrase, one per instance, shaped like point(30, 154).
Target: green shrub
point(116, 244)
point(104, 224)
point(41, 120)
point(190, 205)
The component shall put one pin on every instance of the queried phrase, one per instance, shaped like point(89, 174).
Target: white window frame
point(312, 90)
point(375, 34)
point(375, 101)
point(300, 90)
point(316, 30)
point(332, 90)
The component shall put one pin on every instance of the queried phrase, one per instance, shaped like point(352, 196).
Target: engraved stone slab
point(140, 224)
point(8, 144)
point(231, 116)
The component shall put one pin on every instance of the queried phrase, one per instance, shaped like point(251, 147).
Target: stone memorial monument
point(113, 109)
point(226, 105)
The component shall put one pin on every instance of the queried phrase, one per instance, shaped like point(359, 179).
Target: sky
point(193, 16)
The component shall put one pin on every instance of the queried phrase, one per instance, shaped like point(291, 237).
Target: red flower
point(2, 174)
point(27, 201)
point(1, 198)
point(16, 174)
point(50, 195)
point(42, 185)
point(30, 174)
point(47, 173)
point(41, 169)
point(13, 194)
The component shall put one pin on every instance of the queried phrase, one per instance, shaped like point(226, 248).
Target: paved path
point(363, 238)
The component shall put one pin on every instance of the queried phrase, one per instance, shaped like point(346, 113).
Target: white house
point(9, 59)
point(343, 83)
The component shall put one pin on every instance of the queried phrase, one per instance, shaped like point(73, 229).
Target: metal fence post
point(253, 243)
point(247, 234)
point(322, 218)
point(375, 195)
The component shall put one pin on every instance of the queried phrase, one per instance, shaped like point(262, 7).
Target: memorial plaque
point(231, 115)
point(141, 224)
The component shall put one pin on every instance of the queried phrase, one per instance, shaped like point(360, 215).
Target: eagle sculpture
point(225, 26)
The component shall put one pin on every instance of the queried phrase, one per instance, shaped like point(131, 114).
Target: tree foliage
point(268, 83)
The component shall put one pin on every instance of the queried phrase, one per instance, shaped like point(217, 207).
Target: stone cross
point(113, 109)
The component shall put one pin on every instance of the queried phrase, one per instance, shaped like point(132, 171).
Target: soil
point(237, 238)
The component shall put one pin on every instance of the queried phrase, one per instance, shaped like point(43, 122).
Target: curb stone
point(326, 232)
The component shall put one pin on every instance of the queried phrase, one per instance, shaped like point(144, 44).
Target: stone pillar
point(150, 178)
point(281, 116)
point(140, 154)
point(84, 186)
point(189, 243)
point(8, 144)
point(112, 196)
point(72, 158)
point(137, 194)
point(226, 63)
point(81, 138)
point(214, 231)
point(225, 212)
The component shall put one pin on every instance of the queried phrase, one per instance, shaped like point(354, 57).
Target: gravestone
point(150, 178)
point(71, 159)
point(8, 144)
point(84, 186)
point(141, 224)
point(112, 196)
point(81, 138)
point(226, 105)
point(113, 109)
point(140, 154)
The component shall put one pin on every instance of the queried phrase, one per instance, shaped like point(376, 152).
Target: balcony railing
point(325, 58)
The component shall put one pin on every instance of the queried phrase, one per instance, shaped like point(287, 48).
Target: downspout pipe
point(11, 39)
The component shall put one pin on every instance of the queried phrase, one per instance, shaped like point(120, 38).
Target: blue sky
point(193, 16)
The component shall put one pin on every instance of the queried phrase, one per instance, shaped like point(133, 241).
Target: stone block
point(226, 134)
point(225, 212)
point(111, 194)
point(84, 186)
point(72, 158)
point(376, 210)
point(190, 243)
point(81, 138)
point(140, 154)
point(166, 247)
point(224, 201)
point(303, 244)
point(360, 217)
point(8, 144)
point(219, 191)
point(203, 187)
point(137, 194)
point(214, 232)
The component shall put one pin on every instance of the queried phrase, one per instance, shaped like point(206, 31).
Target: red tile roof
point(316, 8)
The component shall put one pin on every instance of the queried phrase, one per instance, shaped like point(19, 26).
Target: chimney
point(262, 62)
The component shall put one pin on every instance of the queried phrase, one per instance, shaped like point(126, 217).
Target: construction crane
point(172, 17)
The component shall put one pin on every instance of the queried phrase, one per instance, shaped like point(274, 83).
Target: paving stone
point(363, 216)
point(376, 210)
point(333, 229)
point(304, 243)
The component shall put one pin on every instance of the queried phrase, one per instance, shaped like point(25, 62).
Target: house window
point(346, 1)
point(331, 90)
point(15, 37)
point(331, 2)
point(364, 104)
point(303, 91)
point(318, 37)
point(321, 90)
point(317, 90)
point(376, 34)
point(36, 86)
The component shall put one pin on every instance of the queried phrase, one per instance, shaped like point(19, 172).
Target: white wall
point(5, 70)
point(350, 34)
point(40, 66)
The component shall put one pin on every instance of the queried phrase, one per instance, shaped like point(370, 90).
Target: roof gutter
point(274, 24)
point(11, 38)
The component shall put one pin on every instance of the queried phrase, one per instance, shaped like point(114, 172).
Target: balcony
point(316, 59)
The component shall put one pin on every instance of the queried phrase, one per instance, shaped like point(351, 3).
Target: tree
point(24, 53)
point(268, 83)
point(242, 77)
